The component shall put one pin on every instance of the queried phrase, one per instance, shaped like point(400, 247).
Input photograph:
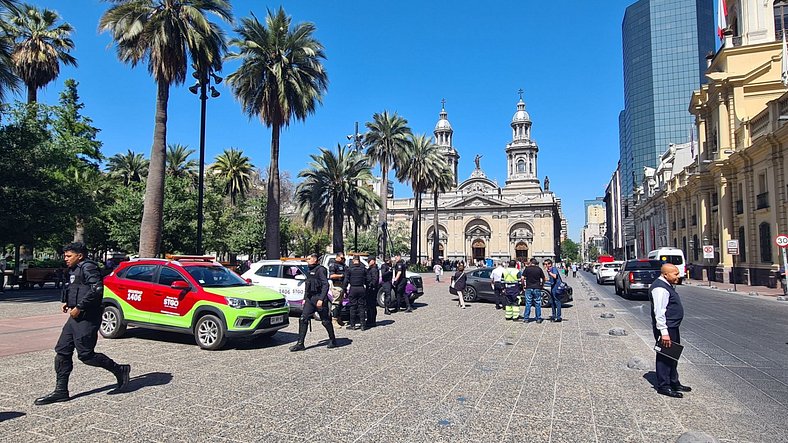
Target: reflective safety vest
point(510, 275)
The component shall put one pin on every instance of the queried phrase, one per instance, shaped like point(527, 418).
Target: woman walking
point(458, 280)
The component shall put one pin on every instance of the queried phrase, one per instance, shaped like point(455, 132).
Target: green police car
point(189, 294)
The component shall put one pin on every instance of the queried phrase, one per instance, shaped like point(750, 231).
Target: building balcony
point(739, 207)
point(762, 200)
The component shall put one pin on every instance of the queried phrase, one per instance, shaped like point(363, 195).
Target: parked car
point(636, 276)
point(284, 276)
point(478, 288)
point(607, 272)
point(595, 267)
point(191, 295)
point(414, 278)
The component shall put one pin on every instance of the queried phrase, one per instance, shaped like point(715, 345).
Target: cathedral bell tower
point(521, 153)
point(443, 138)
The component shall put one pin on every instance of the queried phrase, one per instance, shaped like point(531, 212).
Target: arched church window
point(531, 167)
point(521, 165)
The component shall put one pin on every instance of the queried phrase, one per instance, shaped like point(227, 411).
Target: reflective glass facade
point(665, 43)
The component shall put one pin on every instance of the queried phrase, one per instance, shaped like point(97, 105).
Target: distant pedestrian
point(534, 284)
point(666, 316)
point(459, 283)
point(496, 280)
point(81, 300)
point(574, 270)
point(3, 265)
point(438, 269)
point(553, 280)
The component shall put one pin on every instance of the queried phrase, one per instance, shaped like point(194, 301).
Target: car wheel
point(469, 294)
point(210, 332)
point(546, 303)
point(381, 298)
point(625, 292)
point(615, 285)
point(112, 324)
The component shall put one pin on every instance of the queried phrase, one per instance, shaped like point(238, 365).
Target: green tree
point(179, 161)
point(419, 162)
point(130, 167)
point(234, 170)
point(40, 46)
point(441, 181)
point(281, 78)
point(330, 182)
point(570, 250)
point(166, 35)
point(593, 252)
point(388, 135)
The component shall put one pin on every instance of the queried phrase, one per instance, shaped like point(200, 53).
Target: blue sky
point(402, 56)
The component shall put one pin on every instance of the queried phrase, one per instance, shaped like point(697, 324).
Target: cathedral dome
point(443, 123)
point(521, 115)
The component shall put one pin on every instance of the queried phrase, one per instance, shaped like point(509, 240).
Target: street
point(438, 374)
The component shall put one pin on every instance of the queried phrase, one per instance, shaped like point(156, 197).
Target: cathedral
point(478, 219)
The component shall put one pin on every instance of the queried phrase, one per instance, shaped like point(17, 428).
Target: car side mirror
point(180, 284)
point(300, 277)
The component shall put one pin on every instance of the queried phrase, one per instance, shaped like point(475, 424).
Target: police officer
point(373, 286)
point(511, 287)
point(386, 274)
point(336, 273)
point(356, 284)
point(399, 281)
point(315, 301)
point(81, 297)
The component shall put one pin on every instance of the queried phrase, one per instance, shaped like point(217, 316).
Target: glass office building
point(665, 43)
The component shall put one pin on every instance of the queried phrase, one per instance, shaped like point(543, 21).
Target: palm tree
point(441, 181)
point(129, 167)
point(233, 168)
point(333, 182)
point(165, 34)
point(178, 162)
point(8, 80)
point(281, 78)
point(419, 163)
point(387, 137)
point(40, 46)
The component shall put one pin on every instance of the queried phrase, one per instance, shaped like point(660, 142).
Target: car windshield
point(644, 264)
point(672, 259)
point(215, 276)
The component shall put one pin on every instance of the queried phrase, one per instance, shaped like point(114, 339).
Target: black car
point(479, 288)
point(636, 276)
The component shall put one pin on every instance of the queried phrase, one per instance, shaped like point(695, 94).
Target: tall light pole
point(203, 84)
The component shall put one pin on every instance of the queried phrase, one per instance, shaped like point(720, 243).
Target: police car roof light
point(204, 258)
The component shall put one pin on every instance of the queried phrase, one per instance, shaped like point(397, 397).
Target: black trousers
point(667, 368)
point(372, 305)
point(80, 334)
point(387, 294)
point(310, 307)
point(500, 300)
point(401, 294)
point(358, 304)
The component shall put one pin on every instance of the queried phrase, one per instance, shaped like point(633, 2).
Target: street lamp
point(202, 85)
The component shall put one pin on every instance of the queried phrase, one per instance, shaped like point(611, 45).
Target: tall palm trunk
point(272, 241)
point(79, 230)
point(32, 94)
point(384, 189)
point(153, 212)
point(337, 240)
point(435, 233)
point(414, 230)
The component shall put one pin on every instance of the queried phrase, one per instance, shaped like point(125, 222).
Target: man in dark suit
point(666, 315)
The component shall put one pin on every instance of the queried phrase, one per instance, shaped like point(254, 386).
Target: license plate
point(275, 320)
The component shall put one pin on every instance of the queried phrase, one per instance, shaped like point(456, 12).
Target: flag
point(722, 17)
point(784, 75)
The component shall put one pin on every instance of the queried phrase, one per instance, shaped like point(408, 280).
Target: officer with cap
point(81, 297)
point(315, 301)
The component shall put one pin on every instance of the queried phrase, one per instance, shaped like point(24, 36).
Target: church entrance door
point(479, 250)
point(521, 251)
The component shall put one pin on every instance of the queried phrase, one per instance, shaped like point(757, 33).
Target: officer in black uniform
point(315, 300)
point(373, 286)
point(81, 297)
point(400, 280)
point(386, 274)
point(336, 273)
point(356, 284)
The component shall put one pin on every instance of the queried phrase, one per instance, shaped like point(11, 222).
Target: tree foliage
point(570, 250)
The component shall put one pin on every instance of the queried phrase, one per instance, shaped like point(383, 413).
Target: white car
point(284, 276)
point(607, 272)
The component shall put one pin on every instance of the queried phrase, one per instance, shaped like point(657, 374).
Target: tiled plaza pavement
point(438, 374)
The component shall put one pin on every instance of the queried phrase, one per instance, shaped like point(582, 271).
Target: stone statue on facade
point(546, 183)
point(476, 160)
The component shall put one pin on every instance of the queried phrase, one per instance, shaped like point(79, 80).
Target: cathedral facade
point(477, 218)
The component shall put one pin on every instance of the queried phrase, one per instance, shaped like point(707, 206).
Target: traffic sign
point(782, 241)
point(708, 251)
point(733, 247)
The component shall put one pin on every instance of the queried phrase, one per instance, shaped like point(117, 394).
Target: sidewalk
point(740, 288)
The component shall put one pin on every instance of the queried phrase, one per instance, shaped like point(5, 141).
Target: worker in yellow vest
point(511, 285)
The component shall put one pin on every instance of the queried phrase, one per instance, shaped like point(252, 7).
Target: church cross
point(520, 91)
point(443, 104)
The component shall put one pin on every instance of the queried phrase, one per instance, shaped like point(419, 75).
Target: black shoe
point(411, 309)
point(528, 320)
point(122, 375)
point(670, 393)
point(331, 344)
point(364, 327)
point(557, 320)
point(387, 312)
point(681, 388)
point(539, 320)
point(55, 397)
point(498, 307)
point(350, 327)
point(297, 347)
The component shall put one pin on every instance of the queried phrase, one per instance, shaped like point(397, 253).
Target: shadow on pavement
point(43, 295)
point(135, 384)
point(4, 416)
point(651, 377)
point(384, 323)
point(341, 342)
point(259, 342)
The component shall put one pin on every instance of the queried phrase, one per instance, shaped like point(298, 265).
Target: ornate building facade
point(479, 219)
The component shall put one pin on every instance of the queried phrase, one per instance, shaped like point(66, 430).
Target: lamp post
point(692, 248)
point(708, 264)
point(201, 86)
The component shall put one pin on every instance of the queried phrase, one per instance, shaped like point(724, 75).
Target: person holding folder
point(666, 315)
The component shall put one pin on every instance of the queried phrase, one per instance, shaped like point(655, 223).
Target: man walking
point(496, 279)
point(666, 315)
point(534, 282)
point(511, 286)
point(81, 298)
point(373, 286)
point(400, 281)
point(438, 270)
point(315, 301)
